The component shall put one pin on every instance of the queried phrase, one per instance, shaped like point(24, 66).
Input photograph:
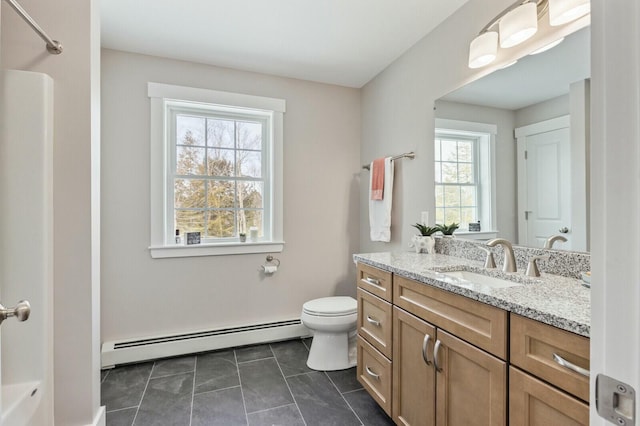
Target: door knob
point(563, 230)
point(21, 311)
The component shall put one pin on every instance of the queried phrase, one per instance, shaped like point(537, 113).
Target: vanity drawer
point(479, 324)
point(374, 321)
point(374, 373)
point(533, 345)
point(375, 281)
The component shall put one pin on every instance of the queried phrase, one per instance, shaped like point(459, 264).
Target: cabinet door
point(413, 379)
point(471, 384)
point(535, 403)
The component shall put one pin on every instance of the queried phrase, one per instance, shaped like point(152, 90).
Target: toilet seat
point(331, 306)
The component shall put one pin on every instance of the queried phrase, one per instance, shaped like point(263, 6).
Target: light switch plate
point(615, 401)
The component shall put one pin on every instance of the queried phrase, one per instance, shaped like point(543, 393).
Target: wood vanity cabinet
point(559, 398)
point(455, 384)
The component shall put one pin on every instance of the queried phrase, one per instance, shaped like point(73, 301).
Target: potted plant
point(425, 239)
point(243, 237)
point(448, 230)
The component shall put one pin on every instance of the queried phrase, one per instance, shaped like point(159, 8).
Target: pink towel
point(377, 179)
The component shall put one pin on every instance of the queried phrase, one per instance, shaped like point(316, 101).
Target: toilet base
point(332, 351)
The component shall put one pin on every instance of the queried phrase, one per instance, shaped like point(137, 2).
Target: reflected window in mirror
point(463, 176)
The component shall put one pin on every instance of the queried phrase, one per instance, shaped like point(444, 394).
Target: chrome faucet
point(552, 239)
point(509, 258)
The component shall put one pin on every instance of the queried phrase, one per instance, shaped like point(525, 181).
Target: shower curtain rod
point(411, 155)
point(54, 47)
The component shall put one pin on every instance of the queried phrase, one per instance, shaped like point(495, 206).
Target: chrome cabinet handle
point(570, 366)
point(425, 343)
point(436, 350)
point(372, 281)
point(371, 373)
point(21, 311)
point(373, 321)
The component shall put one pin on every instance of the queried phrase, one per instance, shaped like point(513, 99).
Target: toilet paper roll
point(269, 269)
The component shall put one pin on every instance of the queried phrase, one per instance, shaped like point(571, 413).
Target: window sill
point(195, 250)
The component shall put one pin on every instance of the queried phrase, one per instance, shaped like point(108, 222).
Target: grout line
point(193, 389)
point(174, 374)
point(305, 344)
point(352, 391)
point(244, 405)
point(289, 387)
point(143, 392)
point(121, 409)
point(344, 399)
point(300, 374)
point(106, 375)
point(253, 360)
point(217, 390)
point(273, 408)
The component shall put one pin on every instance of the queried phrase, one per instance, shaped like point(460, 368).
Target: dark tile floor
point(256, 385)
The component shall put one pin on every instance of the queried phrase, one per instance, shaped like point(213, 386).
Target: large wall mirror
point(511, 150)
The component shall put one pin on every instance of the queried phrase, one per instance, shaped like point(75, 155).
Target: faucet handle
point(532, 267)
point(489, 262)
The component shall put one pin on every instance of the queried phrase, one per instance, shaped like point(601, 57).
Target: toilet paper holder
point(271, 266)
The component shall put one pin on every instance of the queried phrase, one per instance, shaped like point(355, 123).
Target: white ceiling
point(533, 79)
point(344, 42)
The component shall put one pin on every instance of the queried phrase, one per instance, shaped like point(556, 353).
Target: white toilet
point(333, 322)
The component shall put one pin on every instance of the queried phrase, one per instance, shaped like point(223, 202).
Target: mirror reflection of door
point(544, 183)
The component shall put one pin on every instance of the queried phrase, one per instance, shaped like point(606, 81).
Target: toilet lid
point(331, 306)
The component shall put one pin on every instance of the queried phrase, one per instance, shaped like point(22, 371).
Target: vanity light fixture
point(548, 46)
point(563, 11)
point(519, 22)
point(509, 64)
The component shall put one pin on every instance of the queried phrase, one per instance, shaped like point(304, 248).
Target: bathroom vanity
point(438, 347)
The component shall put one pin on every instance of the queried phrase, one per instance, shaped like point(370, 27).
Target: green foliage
point(447, 229)
point(425, 230)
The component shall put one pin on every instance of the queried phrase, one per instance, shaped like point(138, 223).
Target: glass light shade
point(548, 46)
point(563, 11)
point(483, 49)
point(518, 25)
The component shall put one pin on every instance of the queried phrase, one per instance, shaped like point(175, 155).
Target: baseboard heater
point(145, 349)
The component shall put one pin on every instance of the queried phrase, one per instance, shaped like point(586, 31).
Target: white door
point(544, 183)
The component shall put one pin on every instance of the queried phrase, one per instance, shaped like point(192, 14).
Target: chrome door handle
point(436, 350)
point(425, 343)
point(21, 311)
point(373, 321)
point(372, 281)
point(570, 366)
point(371, 373)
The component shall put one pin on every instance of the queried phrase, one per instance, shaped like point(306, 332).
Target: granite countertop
point(552, 299)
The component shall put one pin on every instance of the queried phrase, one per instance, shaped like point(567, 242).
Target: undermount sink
point(481, 279)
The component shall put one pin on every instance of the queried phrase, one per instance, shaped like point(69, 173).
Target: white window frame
point(485, 150)
point(163, 97)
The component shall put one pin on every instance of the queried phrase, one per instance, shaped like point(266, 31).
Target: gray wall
point(546, 110)
point(321, 211)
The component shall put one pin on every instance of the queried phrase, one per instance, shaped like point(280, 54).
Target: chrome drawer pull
point(570, 366)
point(371, 373)
point(373, 321)
point(372, 281)
point(436, 349)
point(425, 343)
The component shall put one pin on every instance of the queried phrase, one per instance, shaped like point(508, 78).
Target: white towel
point(380, 210)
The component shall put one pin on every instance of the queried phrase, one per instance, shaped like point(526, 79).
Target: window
point(463, 173)
point(216, 162)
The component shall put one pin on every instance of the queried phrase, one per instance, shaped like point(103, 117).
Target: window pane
point(467, 216)
point(249, 163)
point(468, 196)
point(437, 150)
point(452, 215)
point(189, 221)
point(249, 135)
point(439, 196)
point(465, 151)
point(221, 194)
point(452, 196)
point(220, 162)
point(250, 195)
point(449, 173)
point(189, 193)
point(220, 133)
point(438, 172)
point(449, 150)
point(189, 161)
point(439, 215)
point(465, 173)
point(220, 224)
point(251, 218)
point(189, 130)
